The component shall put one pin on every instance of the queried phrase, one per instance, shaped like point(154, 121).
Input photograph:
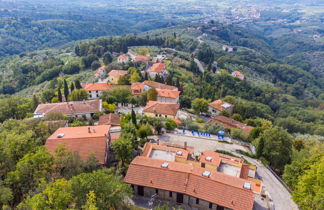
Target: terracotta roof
point(141, 58)
point(100, 70)
point(188, 179)
point(157, 67)
point(137, 88)
point(69, 108)
point(96, 86)
point(230, 123)
point(161, 108)
point(220, 105)
point(117, 73)
point(109, 119)
point(79, 139)
point(122, 57)
point(238, 74)
point(168, 93)
point(154, 84)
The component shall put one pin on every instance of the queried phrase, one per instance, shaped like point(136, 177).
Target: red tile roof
point(96, 86)
point(161, 108)
point(137, 88)
point(123, 57)
point(70, 108)
point(117, 73)
point(109, 119)
point(168, 93)
point(219, 188)
point(238, 74)
point(100, 70)
point(219, 105)
point(230, 123)
point(141, 58)
point(156, 85)
point(79, 139)
point(157, 67)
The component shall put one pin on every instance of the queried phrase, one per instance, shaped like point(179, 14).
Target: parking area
point(200, 144)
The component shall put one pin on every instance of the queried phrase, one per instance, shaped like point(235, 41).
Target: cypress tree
point(66, 90)
point(35, 102)
point(77, 84)
point(133, 115)
point(59, 94)
point(72, 87)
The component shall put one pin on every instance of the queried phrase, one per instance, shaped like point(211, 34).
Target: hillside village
point(177, 118)
point(176, 172)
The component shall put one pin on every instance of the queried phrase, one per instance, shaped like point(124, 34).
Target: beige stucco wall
point(187, 200)
point(162, 116)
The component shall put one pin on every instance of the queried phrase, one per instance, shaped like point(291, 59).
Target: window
point(156, 115)
point(170, 194)
point(197, 200)
point(166, 116)
point(210, 205)
point(97, 95)
point(97, 91)
point(156, 191)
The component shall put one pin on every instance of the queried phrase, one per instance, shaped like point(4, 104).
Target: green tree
point(123, 150)
point(56, 195)
point(66, 90)
point(277, 147)
point(144, 131)
point(91, 202)
point(71, 68)
point(35, 102)
point(152, 94)
point(59, 95)
point(107, 58)
point(117, 95)
point(110, 190)
point(309, 192)
point(72, 87)
point(237, 117)
point(79, 95)
point(5, 195)
point(170, 124)
point(77, 84)
point(133, 117)
point(30, 170)
point(109, 108)
point(135, 77)
point(199, 105)
point(95, 65)
point(47, 95)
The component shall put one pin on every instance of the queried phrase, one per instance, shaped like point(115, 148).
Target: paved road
point(280, 196)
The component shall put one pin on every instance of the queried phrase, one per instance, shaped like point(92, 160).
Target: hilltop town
point(188, 105)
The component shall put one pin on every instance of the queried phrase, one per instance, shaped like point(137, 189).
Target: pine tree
point(146, 76)
point(66, 90)
point(77, 84)
point(59, 94)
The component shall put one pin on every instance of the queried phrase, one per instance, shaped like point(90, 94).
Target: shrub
point(170, 125)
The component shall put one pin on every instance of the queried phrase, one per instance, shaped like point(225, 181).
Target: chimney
point(89, 130)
